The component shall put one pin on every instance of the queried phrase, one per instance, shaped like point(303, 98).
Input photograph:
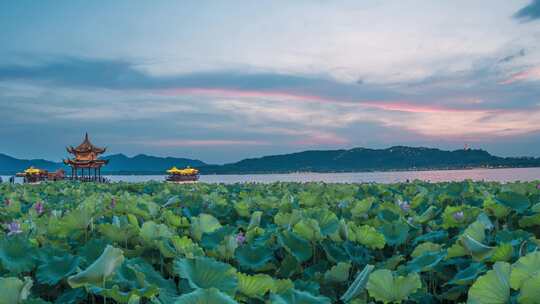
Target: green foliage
point(493, 287)
point(203, 272)
point(14, 290)
point(99, 271)
point(473, 242)
point(384, 286)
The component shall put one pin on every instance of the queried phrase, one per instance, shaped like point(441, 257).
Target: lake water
point(499, 175)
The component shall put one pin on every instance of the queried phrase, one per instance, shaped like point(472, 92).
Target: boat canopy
point(33, 170)
point(187, 171)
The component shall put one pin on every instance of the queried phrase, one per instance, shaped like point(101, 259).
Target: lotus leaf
point(298, 247)
point(204, 223)
point(502, 253)
point(72, 296)
point(358, 284)
point(334, 252)
point(125, 297)
point(14, 290)
point(493, 287)
point(469, 274)
point(524, 269)
point(255, 285)
point(338, 273)
point(530, 221)
point(392, 262)
point(294, 296)
point(425, 262)
point(425, 247)
point(494, 208)
point(367, 236)
point(387, 288)
point(205, 296)
point(327, 221)
point(426, 216)
point(530, 293)
point(253, 257)
point(56, 269)
point(204, 272)
point(186, 247)
point(360, 208)
point(151, 231)
point(17, 254)
point(308, 229)
point(478, 250)
point(514, 200)
point(395, 233)
point(255, 220)
point(213, 239)
point(116, 233)
point(99, 271)
point(433, 236)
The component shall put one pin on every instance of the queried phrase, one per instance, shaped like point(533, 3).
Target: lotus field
point(468, 242)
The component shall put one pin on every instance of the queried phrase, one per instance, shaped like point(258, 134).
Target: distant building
point(86, 160)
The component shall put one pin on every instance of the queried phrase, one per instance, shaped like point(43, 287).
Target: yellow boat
point(183, 175)
point(33, 171)
point(33, 175)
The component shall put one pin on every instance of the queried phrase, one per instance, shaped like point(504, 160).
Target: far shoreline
point(158, 173)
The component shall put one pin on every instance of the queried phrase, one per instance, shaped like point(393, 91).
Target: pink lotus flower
point(240, 238)
point(538, 186)
point(458, 216)
point(7, 201)
point(113, 203)
point(14, 228)
point(40, 208)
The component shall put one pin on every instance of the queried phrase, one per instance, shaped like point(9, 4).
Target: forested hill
point(362, 159)
point(357, 159)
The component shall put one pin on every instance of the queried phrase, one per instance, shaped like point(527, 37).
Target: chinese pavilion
point(86, 159)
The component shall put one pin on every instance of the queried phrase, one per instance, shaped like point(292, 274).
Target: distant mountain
point(118, 163)
point(144, 163)
point(357, 159)
point(10, 165)
point(362, 159)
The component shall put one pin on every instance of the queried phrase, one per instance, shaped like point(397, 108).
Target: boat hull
point(182, 178)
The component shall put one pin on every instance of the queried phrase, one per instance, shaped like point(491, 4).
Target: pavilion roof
point(85, 147)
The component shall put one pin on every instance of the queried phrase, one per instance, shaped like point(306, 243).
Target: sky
point(221, 81)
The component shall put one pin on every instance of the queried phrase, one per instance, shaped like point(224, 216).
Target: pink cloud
point(530, 74)
point(244, 94)
point(396, 105)
point(321, 139)
point(403, 106)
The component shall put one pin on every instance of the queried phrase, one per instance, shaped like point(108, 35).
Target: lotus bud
point(343, 230)
point(343, 204)
point(7, 201)
point(14, 228)
point(458, 216)
point(240, 238)
point(113, 203)
point(40, 208)
point(538, 186)
point(405, 206)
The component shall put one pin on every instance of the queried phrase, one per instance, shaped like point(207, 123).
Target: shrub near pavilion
point(277, 243)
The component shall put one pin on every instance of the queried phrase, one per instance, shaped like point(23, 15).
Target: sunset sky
point(225, 80)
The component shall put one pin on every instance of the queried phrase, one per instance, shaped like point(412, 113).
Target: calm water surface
point(499, 175)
